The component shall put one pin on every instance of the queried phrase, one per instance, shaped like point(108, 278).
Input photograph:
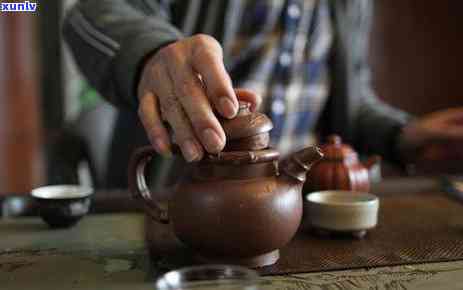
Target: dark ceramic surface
point(59, 213)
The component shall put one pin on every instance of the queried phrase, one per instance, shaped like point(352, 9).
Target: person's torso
point(277, 48)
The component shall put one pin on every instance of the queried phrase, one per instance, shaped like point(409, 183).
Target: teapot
point(239, 206)
point(341, 169)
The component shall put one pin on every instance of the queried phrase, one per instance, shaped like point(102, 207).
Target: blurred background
point(45, 105)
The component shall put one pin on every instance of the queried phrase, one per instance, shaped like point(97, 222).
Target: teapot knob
point(334, 140)
point(244, 108)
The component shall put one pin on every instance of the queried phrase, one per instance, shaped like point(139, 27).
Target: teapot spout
point(299, 163)
point(373, 165)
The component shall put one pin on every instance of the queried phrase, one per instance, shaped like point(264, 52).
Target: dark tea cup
point(62, 206)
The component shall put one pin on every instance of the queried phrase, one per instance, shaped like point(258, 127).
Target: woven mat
point(413, 228)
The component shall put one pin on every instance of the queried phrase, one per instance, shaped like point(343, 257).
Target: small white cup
point(341, 211)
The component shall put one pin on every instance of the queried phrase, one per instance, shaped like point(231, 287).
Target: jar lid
point(246, 123)
point(335, 150)
point(247, 138)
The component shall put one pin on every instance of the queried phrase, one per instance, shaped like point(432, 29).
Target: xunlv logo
point(25, 6)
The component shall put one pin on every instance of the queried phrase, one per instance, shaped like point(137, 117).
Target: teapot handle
point(137, 184)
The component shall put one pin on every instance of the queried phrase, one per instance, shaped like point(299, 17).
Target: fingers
point(207, 60)
point(150, 117)
point(173, 112)
point(187, 81)
point(249, 96)
point(443, 118)
point(454, 117)
point(454, 133)
point(445, 124)
point(190, 93)
point(184, 134)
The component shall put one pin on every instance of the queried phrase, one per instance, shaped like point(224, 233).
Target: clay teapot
point(341, 169)
point(239, 206)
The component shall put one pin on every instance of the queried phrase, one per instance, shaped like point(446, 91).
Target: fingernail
point(160, 145)
point(227, 107)
point(164, 150)
point(190, 151)
point(212, 141)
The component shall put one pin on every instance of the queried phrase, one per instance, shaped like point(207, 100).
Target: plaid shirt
point(290, 68)
point(277, 47)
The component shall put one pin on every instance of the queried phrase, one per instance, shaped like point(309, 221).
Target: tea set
point(244, 204)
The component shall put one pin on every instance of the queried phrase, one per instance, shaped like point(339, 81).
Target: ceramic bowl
point(341, 211)
point(62, 205)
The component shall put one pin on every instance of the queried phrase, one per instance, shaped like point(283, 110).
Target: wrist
point(406, 148)
point(410, 143)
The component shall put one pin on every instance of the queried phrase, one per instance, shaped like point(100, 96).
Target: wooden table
point(106, 251)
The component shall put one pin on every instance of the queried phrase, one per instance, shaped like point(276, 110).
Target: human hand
point(183, 84)
point(435, 137)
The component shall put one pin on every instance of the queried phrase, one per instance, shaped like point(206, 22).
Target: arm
point(434, 140)
point(377, 125)
point(110, 40)
point(132, 55)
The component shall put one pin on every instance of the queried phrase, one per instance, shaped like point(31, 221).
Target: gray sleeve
point(111, 38)
point(377, 124)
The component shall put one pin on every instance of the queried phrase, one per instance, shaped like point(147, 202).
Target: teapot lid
point(246, 123)
point(335, 150)
point(247, 138)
